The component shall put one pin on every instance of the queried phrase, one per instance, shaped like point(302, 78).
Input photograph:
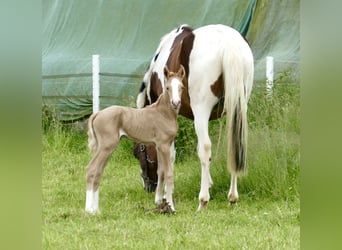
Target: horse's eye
point(167, 88)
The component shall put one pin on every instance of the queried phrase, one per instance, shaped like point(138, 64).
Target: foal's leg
point(169, 157)
point(172, 159)
point(94, 173)
point(165, 173)
point(160, 183)
point(172, 154)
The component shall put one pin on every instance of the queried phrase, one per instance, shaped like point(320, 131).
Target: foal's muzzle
point(176, 104)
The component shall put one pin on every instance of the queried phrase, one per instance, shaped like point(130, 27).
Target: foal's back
point(146, 125)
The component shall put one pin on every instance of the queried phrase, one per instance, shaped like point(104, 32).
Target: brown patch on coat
point(180, 54)
point(218, 87)
point(218, 90)
point(156, 87)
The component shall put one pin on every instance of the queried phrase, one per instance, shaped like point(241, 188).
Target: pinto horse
point(219, 71)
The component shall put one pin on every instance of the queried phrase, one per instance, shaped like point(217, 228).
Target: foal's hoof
point(202, 205)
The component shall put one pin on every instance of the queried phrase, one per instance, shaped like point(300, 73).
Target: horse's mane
point(162, 54)
point(172, 35)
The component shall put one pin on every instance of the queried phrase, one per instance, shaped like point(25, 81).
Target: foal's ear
point(166, 72)
point(181, 72)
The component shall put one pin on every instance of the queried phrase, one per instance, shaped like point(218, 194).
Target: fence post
point(96, 83)
point(269, 74)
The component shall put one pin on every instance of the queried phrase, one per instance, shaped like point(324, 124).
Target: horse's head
point(174, 85)
point(147, 156)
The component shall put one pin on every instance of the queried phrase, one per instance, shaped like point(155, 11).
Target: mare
point(156, 124)
point(219, 71)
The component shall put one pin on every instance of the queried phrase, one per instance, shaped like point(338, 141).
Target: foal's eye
point(167, 88)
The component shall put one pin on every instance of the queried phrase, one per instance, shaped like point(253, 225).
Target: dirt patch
point(162, 208)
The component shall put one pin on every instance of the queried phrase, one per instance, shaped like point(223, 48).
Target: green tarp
point(126, 34)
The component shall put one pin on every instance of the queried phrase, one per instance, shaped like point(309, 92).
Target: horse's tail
point(92, 140)
point(238, 71)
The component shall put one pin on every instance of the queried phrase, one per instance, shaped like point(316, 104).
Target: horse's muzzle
point(149, 185)
point(150, 188)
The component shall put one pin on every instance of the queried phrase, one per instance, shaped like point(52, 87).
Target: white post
point(96, 83)
point(269, 74)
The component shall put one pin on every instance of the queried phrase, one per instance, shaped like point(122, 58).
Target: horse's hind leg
point(204, 154)
point(94, 172)
point(233, 192)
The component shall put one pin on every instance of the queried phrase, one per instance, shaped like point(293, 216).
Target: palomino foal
point(156, 124)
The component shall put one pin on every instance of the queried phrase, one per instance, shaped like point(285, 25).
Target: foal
point(156, 124)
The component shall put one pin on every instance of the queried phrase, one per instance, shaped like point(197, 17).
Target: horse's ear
point(166, 72)
point(181, 72)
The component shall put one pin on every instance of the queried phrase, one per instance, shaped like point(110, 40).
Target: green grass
point(267, 215)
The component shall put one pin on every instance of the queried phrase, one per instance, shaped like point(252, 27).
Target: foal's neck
point(163, 103)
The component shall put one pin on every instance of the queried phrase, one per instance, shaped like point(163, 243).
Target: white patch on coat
point(92, 201)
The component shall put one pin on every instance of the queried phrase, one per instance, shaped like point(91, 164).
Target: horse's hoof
point(232, 199)
point(202, 205)
point(92, 211)
point(233, 203)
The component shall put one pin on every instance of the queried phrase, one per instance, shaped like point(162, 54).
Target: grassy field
point(267, 215)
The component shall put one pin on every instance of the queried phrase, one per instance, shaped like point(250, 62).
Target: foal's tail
point(92, 140)
point(238, 71)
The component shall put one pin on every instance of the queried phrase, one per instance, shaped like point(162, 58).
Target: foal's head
point(174, 85)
